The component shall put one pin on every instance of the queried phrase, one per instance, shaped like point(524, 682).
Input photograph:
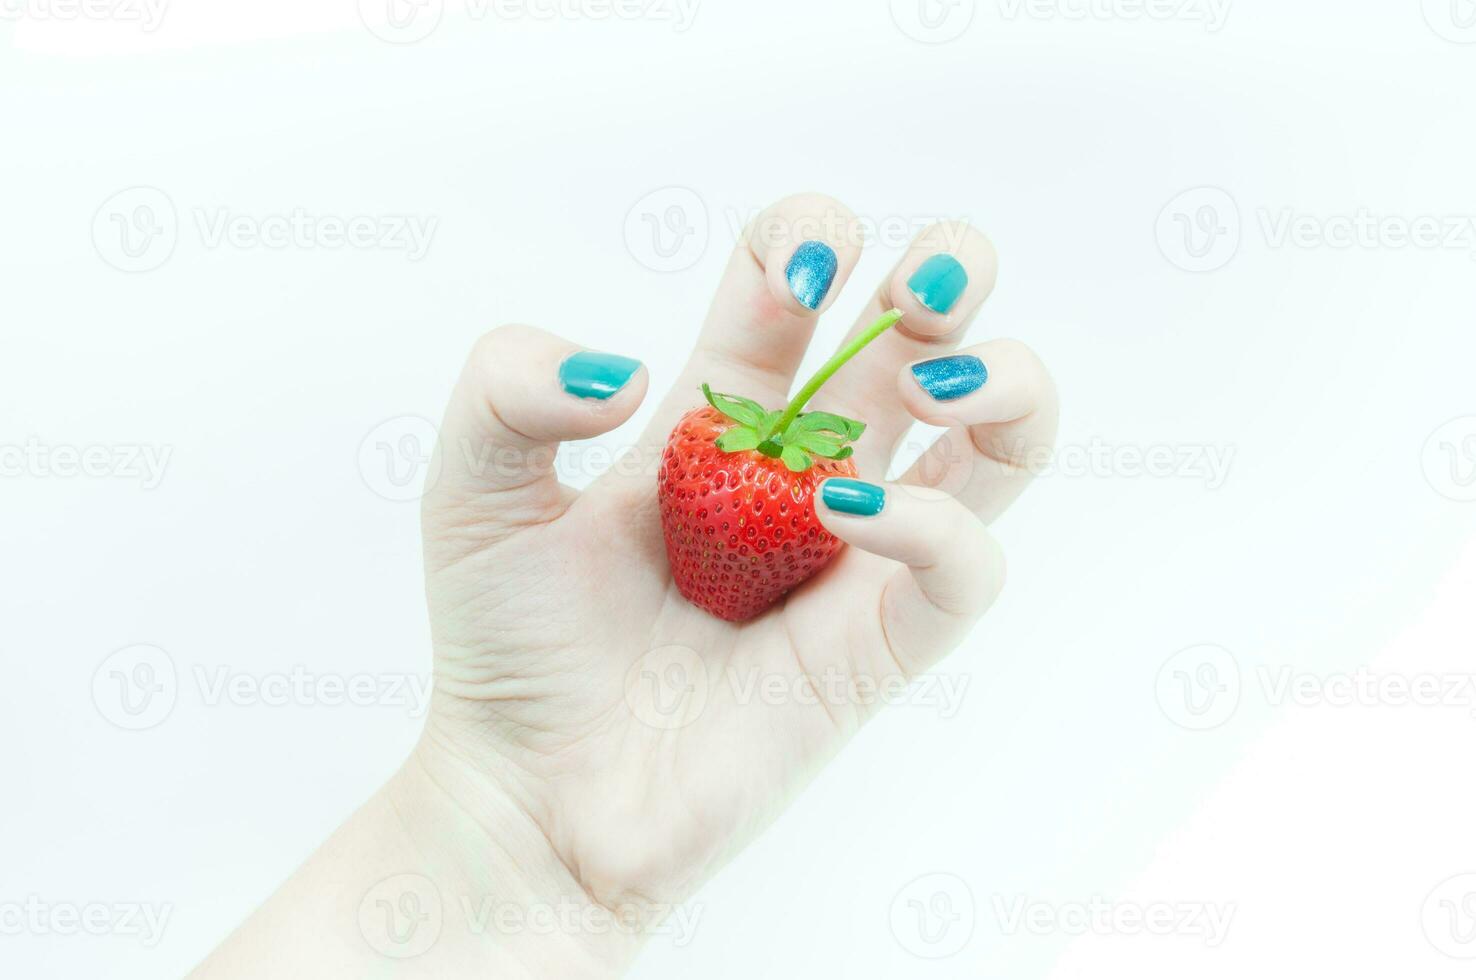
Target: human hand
point(578, 694)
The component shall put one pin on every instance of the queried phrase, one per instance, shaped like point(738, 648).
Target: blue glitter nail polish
point(947, 378)
point(810, 273)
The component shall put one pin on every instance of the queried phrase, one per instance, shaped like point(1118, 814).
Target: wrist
point(503, 894)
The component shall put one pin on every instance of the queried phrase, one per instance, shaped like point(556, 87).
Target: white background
point(1074, 769)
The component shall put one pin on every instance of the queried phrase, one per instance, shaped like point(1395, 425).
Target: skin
point(554, 769)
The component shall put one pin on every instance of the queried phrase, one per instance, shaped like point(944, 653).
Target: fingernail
point(853, 497)
point(810, 272)
point(947, 378)
point(590, 374)
point(939, 282)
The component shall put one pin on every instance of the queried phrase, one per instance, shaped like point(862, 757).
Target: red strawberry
point(737, 487)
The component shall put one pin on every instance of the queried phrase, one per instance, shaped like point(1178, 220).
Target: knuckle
point(1029, 366)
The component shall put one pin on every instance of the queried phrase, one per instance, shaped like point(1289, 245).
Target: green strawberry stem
point(795, 436)
point(888, 320)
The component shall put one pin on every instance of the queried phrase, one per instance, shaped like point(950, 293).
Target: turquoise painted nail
point(947, 378)
point(939, 282)
point(810, 273)
point(590, 374)
point(853, 497)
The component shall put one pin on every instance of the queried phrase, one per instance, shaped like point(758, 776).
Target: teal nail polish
point(853, 497)
point(947, 378)
point(939, 282)
point(810, 273)
point(590, 374)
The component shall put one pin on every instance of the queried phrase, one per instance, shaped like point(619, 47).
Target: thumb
point(522, 392)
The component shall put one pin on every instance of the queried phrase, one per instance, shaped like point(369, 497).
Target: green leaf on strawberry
point(793, 436)
point(825, 421)
point(737, 439)
point(742, 410)
point(795, 458)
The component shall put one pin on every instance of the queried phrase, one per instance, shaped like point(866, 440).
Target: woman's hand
point(644, 738)
point(597, 744)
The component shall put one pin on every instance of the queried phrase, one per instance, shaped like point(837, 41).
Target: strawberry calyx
point(809, 435)
point(791, 435)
